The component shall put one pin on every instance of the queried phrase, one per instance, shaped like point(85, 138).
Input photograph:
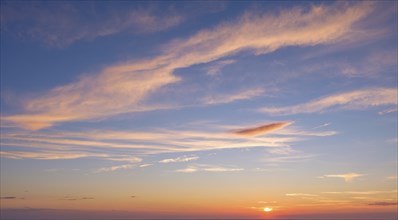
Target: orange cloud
point(261, 130)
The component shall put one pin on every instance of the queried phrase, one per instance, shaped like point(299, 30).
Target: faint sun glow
point(267, 209)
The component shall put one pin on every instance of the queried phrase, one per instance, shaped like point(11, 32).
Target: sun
point(267, 209)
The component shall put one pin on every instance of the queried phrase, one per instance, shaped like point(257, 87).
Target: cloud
point(69, 198)
point(126, 159)
point(384, 203)
point(126, 87)
point(263, 129)
point(145, 165)
point(208, 168)
point(47, 155)
point(348, 177)
point(371, 192)
point(53, 144)
point(65, 23)
point(216, 68)
point(392, 177)
point(8, 197)
point(179, 159)
point(358, 99)
point(114, 168)
point(390, 110)
point(242, 95)
point(301, 194)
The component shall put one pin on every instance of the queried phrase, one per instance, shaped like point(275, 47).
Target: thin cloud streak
point(348, 177)
point(216, 68)
point(63, 24)
point(115, 168)
point(125, 88)
point(242, 95)
point(178, 159)
point(208, 168)
point(384, 204)
point(91, 143)
point(263, 129)
point(358, 99)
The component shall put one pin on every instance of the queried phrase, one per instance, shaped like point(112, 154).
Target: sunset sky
point(199, 109)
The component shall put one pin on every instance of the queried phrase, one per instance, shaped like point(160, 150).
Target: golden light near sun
point(267, 209)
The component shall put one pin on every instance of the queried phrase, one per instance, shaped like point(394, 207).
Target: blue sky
point(131, 105)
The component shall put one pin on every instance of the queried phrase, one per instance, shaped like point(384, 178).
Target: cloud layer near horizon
point(126, 87)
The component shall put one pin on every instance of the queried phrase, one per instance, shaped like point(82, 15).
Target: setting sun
point(267, 209)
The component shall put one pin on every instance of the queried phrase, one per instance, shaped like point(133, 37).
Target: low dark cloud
point(384, 203)
point(8, 197)
point(69, 198)
point(263, 129)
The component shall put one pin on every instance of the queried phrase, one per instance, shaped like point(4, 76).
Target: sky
point(199, 109)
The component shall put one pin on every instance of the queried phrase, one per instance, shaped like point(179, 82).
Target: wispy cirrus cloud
point(48, 145)
point(208, 168)
point(238, 96)
point(126, 87)
point(301, 194)
point(216, 68)
point(348, 177)
point(357, 99)
point(65, 23)
point(48, 155)
point(178, 159)
point(115, 168)
point(263, 129)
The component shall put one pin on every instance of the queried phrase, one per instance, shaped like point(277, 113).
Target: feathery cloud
point(48, 145)
point(125, 87)
point(216, 68)
point(179, 159)
point(63, 24)
point(263, 129)
point(357, 99)
point(48, 155)
point(348, 177)
point(114, 168)
point(242, 95)
point(301, 194)
point(208, 168)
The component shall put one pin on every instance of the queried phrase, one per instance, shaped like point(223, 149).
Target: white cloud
point(114, 168)
point(145, 165)
point(208, 168)
point(179, 159)
point(358, 99)
point(301, 194)
point(348, 177)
